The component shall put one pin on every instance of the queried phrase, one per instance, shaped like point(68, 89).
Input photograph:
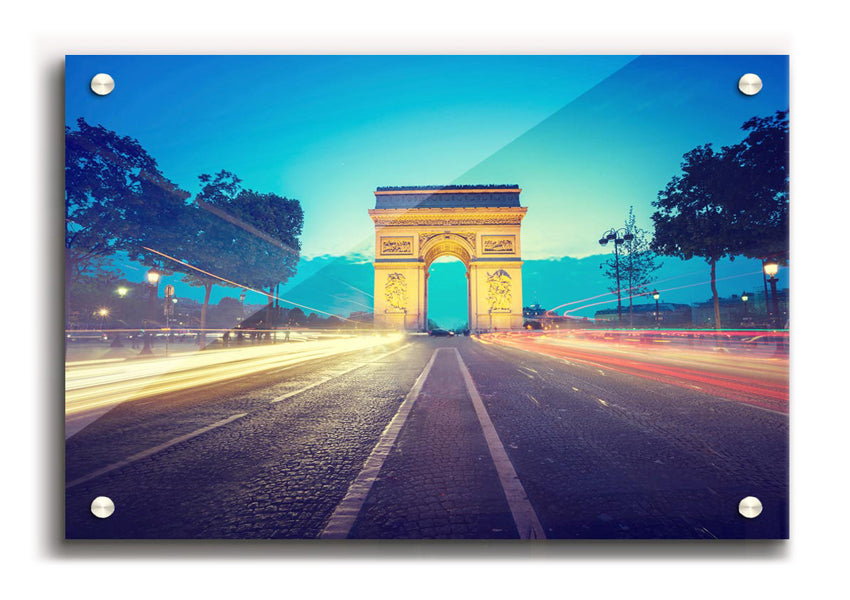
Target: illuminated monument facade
point(480, 225)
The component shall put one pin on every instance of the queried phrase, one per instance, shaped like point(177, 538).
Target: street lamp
point(613, 235)
point(153, 280)
point(656, 296)
point(744, 299)
point(122, 292)
point(771, 268)
point(102, 313)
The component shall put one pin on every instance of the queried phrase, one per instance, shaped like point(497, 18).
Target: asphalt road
point(431, 438)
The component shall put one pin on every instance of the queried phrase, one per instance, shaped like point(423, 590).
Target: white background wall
point(35, 36)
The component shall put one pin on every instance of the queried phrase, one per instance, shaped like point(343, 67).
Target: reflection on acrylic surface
point(427, 298)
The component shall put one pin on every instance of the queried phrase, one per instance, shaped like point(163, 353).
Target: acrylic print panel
point(378, 297)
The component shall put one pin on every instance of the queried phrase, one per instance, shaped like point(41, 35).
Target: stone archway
point(479, 225)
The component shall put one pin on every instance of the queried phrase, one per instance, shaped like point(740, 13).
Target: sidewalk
point(93, 351)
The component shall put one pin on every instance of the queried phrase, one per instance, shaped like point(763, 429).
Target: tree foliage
point(763, 211)
point(730, 202)
point(268, 227)
point(116, 199)
point(115, 194)
point(637, 263)
point(240, 235)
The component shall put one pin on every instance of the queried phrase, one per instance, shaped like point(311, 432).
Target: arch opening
point(447, 294)
point(447, 245)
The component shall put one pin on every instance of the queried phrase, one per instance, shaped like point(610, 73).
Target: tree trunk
point(202, 333)
point(269, 312)
point(70, 267)
point(69, 276)
point(713, 263)
point(276, 310)
point(766, 294)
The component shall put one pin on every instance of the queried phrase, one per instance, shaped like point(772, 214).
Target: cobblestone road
point(599, 455)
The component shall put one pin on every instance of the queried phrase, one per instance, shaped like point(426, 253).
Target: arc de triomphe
point(480, 225)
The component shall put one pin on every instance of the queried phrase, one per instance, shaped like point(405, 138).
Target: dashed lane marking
point(326, 379)
point(345, 514)
point(527, 523)
point(151, 451)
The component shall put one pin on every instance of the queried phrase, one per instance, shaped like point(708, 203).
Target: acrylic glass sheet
point(488, 297)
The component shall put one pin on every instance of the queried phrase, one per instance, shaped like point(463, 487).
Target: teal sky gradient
point(585, 137)
point(328, 130)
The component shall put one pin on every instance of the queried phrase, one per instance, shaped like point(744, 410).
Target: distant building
point(643, 315)
point(362, 316)
point(734, 312)
point(532, 312)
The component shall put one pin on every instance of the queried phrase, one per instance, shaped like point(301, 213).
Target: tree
point(693, 216)
point(116, 199)
point(297, 317)
point(637, 262)
point(729, 203)
point(243, 236)
point(274, 224)
point(763, 158)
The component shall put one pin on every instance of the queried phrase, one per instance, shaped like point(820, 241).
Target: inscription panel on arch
point(498, 244)
point(397, 245)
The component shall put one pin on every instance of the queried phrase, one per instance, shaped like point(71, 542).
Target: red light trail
point(744, 366)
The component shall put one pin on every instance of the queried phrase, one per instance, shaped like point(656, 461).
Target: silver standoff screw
point(750, 507)
point(102, 507)
point(102, 84)
point(750, 84)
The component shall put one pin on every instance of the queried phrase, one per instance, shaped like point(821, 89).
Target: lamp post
point(744, 299)
point(153, 281)
point(122, 292)
point(656, 296)
point(771, 268)
point(613, 235)
point(102, 313)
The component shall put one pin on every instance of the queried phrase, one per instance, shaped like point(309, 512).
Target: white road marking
point(326, 379)
point(343, 517)
point(527, 523)
point(526, 370)
point(151, 451)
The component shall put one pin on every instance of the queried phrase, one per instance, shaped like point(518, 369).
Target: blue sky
point(327, 130)
point(584, 136)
